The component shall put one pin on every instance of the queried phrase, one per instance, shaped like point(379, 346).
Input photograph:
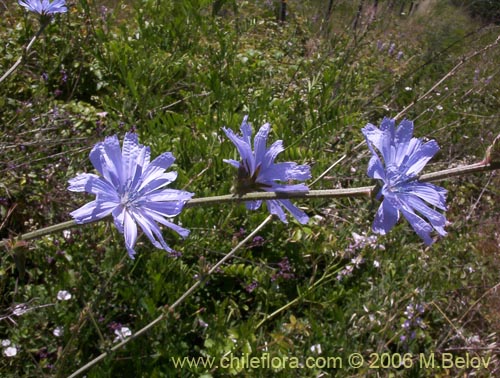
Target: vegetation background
point(176, 71)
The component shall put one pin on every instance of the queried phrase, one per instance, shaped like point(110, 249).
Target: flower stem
point(25, 52)
point(364, 191)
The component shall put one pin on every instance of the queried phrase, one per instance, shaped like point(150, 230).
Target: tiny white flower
point(407, 89)
point(376, 264)
point(357, 261)
point(10, 351)
point(317, 219)
point(122, 334)
point(63, 295)
point(202, 323)
point(316, 348)
point(5, 343)
point(439, 107)
point(66, 234)
point(58, 331)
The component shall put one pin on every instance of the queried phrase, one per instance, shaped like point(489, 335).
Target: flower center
point(127, 196)
point(247, 183)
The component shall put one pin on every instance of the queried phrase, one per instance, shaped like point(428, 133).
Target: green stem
point(364, 191)
point(25, 52)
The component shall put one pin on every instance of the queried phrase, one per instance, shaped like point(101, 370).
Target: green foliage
point(177, 72)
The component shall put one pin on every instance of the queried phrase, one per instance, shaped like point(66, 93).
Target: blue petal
point(151, 230)
point(387, 216)
point(296, 188)
point(253, 205)
point(166, 195)
point(260, 143)
point(243, 148)
point(373, 137)
point(119, 217)
point(274, 208)
point(157, 184)
point(180, 230)
point(285, 172)
point(167, 209)
point(387, 143)
point(404, 132)
point(57, 6)
point(183, 232)
point(388, 124)
point(435, 195)
point(92, 211)
point(130, 233)
point(95, 185)
point(155, 170)
point(246, 131)
point(107, 159)
point(234, 163)
point(271, 154)
point(376, 169)
point(134, 158)
point(295, 211)
point(78, 183)
point(420, 157)
point(436, 219)
point(421, 227)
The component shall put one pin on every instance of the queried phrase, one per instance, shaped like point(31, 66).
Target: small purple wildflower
point(404, 157)
point(257, 241)
point(175, 254)
point(400, 55)
point(391, 48)
point(44, 7)
point(132, 190)
point(412, 321)
point(355, 263)
point(257, 171)
point(64, 76)
point(362, 241)
point(104, 12)
point(284, 271)
point(242, 232)
point(251, 287)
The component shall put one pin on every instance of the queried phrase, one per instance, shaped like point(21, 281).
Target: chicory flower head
point(132, 190)
point(404, 157)
point(44, 7)
point(257, 171)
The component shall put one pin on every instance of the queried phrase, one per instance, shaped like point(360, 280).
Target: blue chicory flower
point(132, 190)
point(44, 7)
point(404, 157)
point(257, 171)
